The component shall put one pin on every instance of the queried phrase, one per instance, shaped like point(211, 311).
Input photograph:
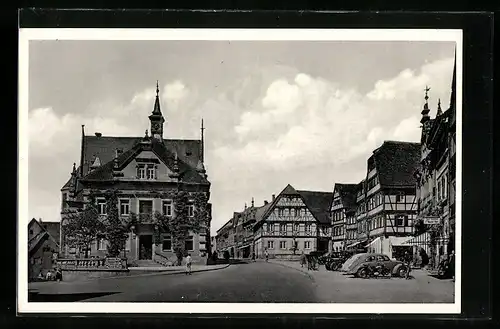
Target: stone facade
point(148, 176)
point(436, 181)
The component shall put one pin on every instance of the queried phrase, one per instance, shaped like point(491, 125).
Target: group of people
point(55, 274)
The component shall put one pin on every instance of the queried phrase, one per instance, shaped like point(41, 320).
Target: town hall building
point(147, 173)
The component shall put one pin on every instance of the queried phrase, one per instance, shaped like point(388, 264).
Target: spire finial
point(439, 110)
point(157, 89)
point(427, 88)
point(253, 203)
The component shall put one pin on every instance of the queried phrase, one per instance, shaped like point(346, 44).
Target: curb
point(175, 272)
point(297, 269)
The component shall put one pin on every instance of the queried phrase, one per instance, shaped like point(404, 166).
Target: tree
point(83, 227)
point(116, 230)
point(180, 225)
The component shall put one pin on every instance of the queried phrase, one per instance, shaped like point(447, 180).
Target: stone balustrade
point(92, 264)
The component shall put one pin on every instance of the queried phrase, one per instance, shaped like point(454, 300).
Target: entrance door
point(146, 246)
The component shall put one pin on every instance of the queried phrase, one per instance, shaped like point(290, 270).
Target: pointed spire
point(202, 147)
point(156, 109)
point(175, 168)
point(176, 162)
point(253, 202)
point(439, 110)
point(73, 172)
point(82, 155)
point(425, 111)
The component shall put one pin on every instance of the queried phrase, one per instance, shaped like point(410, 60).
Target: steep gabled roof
point(261, 211)
point(318, 203)
point(289, 190)
point(348, 193)
point(37, 241)
point(187, 173)
point(104, 147)
point(396, 163)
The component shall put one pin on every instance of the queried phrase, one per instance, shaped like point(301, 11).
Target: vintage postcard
point(239, 171)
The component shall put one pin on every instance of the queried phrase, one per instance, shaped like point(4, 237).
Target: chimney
point(98, 134)
point(265, 202)
point(274, 197)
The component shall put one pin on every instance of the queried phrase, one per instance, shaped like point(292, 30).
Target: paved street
point(254, 282)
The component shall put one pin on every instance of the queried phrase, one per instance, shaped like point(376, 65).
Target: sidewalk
point(67, 287)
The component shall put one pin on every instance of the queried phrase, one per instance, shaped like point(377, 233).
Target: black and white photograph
point(240, 171)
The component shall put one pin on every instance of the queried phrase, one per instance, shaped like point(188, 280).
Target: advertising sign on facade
point(431, 220)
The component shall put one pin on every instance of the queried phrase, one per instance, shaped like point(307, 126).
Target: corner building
point(147, 173)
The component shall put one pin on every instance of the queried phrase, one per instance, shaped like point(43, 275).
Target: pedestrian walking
point(266, 254)
point(188, 264)
point(424, 257)
point(407, 261)
point(58, 274)
point(49, 276)
point(451, 264)
point(302, 259)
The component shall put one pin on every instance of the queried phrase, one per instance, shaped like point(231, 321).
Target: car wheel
point(402, 271)
point(362, 273)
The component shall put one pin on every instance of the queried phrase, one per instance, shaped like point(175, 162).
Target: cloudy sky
point(276, 112)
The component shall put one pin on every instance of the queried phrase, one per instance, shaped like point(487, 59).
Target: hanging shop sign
point(431, 220)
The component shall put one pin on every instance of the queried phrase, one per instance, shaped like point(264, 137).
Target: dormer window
point(146, 171)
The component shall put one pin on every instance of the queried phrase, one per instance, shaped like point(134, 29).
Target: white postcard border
point(25, 35)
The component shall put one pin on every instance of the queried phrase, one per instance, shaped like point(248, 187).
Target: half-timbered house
point(391, 203)
point(147, 174)
point(293, 222)
point(343, 216)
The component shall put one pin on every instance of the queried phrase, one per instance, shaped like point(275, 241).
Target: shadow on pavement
point(37, 297)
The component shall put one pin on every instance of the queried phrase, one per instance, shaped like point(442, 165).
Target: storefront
point(393, 247)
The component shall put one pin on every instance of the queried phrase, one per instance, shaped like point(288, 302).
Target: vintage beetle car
point(356, 265)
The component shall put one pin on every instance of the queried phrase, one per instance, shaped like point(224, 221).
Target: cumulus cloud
point(54, 140)
point(309, 121)
point(174, 93)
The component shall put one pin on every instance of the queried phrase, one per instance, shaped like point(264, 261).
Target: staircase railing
point(162, 259)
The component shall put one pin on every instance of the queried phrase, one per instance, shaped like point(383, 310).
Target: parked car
point(360, 265)
point(336, 259)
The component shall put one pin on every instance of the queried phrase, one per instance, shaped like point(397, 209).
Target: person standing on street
point(302, 259)
point(451, 264)
point(188, 264)
point(266, 254)
point(407, 260)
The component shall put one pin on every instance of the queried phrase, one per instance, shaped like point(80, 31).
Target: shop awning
point(245, 246)
point(373, 242)
point(399, 241)
point(421, 239)
point(353, 244)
